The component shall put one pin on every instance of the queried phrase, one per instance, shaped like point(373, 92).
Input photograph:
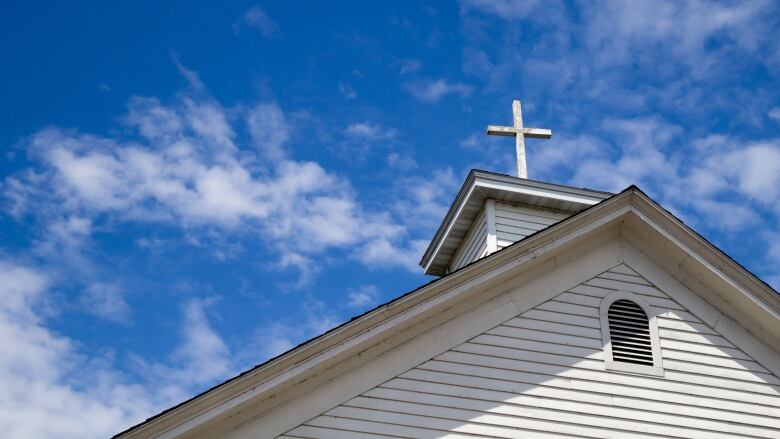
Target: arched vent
point(629, 332)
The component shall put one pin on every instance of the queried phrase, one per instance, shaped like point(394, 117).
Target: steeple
point(492, 211)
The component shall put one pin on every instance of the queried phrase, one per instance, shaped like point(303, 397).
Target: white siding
point(541, 374)
point(515, 222)
point(474, 245)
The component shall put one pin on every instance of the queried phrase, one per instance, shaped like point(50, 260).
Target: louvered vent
point(629, 331)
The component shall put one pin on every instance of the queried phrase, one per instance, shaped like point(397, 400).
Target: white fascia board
point(439, 240)
point(556, 193)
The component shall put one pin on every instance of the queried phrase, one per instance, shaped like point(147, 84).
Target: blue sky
point(191, 188)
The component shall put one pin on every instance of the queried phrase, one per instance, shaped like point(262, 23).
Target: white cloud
point(506, 9)
point(363, 297)
point(269, 130)
point(279, 336)
point(347, 90)
point(383, 254)
point(151, 119)
point(630, 56)
point(49, 388)
point(402, 161)
point(433, 90)
point(617, 28)
point(319, 319)
point(188, 171)
point(209, 121)
point(257, 18)
point(774, 113)
point(426, 198)
point(616, 31)
point(369, 131)
point(643, 143)
point(717, 174)
point(65, 239)
point(306, 267)
point(105, 300)
point(192, 77)
point(646, 57)
point(274, 339)
point(755, 168)
point(201, 357)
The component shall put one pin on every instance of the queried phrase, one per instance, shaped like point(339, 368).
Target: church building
point(558, 312)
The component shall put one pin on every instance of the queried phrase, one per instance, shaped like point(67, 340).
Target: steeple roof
point(482, 185)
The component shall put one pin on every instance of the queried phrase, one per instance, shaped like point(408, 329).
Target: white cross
point(520, 134)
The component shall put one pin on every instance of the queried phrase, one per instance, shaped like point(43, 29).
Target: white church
point(558, 312)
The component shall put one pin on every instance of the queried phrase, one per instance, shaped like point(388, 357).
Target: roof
point(480, 185)
point(687, 256)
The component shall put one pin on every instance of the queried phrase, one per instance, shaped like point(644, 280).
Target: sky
point(190, 188)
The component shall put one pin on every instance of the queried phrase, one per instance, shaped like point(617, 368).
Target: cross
point(520, 134)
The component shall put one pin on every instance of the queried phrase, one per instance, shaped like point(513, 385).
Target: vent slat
point(629, 332)
point(640, 342)
point(620, 319)
point(629, 329)
point(636, 357)
point(629, 318)
point(627, 312)
point(624, 321)
point(631, 348)
point(630, 336)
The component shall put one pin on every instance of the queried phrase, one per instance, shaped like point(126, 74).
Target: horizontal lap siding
point(514, 223)
point(473, 246)
point(541, 374)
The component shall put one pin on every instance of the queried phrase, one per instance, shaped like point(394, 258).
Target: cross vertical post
point(517, 113)
point(519, 132)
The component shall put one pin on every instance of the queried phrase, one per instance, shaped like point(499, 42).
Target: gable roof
point(689, 257)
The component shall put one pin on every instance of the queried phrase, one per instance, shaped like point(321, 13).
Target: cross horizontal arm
point(538, 133)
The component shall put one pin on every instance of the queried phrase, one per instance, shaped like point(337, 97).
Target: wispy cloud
point(363, 297)
point(506, 9)
point(774, 114)
point(369, 131)
point(637, 67)
point(433, 90)
point(255, 17)
point(275, 337)
point(105, 300)
point(192, 77)
point(201, 357)
point(47, 390)
point(191, 168)
point(347, 90)
point(644, 153)
point(269, 130)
